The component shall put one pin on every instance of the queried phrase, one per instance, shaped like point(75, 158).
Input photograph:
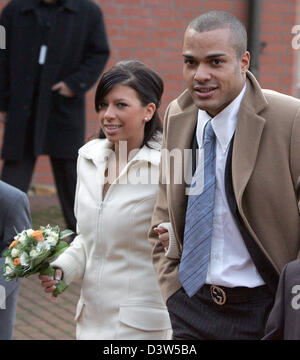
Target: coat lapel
point(180, 135)
point(247, 138)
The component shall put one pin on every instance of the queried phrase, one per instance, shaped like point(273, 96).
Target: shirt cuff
point(172, 251)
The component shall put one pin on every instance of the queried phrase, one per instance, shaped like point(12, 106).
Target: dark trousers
point(242, 317)
point(19, 174)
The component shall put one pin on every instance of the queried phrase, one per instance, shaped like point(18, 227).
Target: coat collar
point(249, 129)
point(28, 5)
point(98, 150)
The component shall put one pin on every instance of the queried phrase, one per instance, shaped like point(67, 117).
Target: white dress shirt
point(230, 262)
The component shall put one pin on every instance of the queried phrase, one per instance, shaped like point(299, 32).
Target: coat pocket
point(79, 309)
point(146, 318)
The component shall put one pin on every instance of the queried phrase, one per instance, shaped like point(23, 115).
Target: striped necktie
point(199, 219)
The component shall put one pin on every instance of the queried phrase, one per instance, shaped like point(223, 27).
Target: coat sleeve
point(298, 193)
point(295, 151)
point(275, 323)
point(17, 217)
point(165, 267)
point(172, 252)
point(295, 163)
point(73, 260)
point(96, 54)
point(5, 22)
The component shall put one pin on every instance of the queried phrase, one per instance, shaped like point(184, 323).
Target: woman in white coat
point(116, 191)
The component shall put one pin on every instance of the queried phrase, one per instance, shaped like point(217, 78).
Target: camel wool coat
point(120, 296)
point(265, 169)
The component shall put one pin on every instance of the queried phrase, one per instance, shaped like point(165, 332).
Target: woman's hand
point(163, 236)
point(49, 283)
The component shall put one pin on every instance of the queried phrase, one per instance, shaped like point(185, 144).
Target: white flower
point(43, 245)
point(8, 270)
point(15, 252)
point(24, 259)
point(9, 261)
point(33, 253)
point(47, 232)
point(22, 237)
point(52, 240)
point(29, 232)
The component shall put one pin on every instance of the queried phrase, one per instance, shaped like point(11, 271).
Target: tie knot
point(209, 133)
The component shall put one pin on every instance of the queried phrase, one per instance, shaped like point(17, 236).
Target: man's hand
point(3, 117)
point(63, 89)
point(163, 236)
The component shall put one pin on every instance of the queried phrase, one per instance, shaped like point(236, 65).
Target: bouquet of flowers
point(32, 251)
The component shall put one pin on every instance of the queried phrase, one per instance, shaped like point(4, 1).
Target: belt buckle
point(218, 295)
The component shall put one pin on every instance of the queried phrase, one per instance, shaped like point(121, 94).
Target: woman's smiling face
point(123, 117)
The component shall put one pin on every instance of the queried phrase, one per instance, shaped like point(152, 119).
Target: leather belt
point(222, 295)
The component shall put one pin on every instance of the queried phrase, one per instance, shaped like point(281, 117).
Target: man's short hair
point(217, 19)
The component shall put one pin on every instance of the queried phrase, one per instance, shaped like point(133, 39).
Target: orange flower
point(17, 261)
point(13, 244)
point(38, 235)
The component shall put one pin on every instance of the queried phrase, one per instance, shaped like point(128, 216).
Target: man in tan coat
point(255, 227)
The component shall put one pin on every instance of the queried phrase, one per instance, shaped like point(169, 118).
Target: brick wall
point(152, 31)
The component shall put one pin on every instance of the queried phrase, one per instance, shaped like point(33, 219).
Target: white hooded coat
point(120, 297)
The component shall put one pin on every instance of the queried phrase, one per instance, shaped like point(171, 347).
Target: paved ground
point(39, 317)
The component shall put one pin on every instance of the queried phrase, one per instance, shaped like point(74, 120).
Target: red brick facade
point(152, 31)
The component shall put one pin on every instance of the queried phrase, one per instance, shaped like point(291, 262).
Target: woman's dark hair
point(147, 84)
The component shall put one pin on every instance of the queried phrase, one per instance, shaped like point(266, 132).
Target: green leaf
point(7, 252)
point(66, 233)
point(60, 248)
point(47, 270)
point(39, 259)
point(60, 287)
point(17, 232)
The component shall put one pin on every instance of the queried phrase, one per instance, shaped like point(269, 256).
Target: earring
point(146, 119)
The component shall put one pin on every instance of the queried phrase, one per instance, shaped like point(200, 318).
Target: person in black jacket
point(55, 52)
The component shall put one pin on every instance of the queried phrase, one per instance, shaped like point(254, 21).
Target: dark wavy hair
point(147, 84)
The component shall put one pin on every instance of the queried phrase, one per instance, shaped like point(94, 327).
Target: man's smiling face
point(213, 73)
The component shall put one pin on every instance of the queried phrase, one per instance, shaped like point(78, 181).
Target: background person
point(120, 296)
point(235, 235)
point(284, 320)
point(14, 214)
point(55, 52)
